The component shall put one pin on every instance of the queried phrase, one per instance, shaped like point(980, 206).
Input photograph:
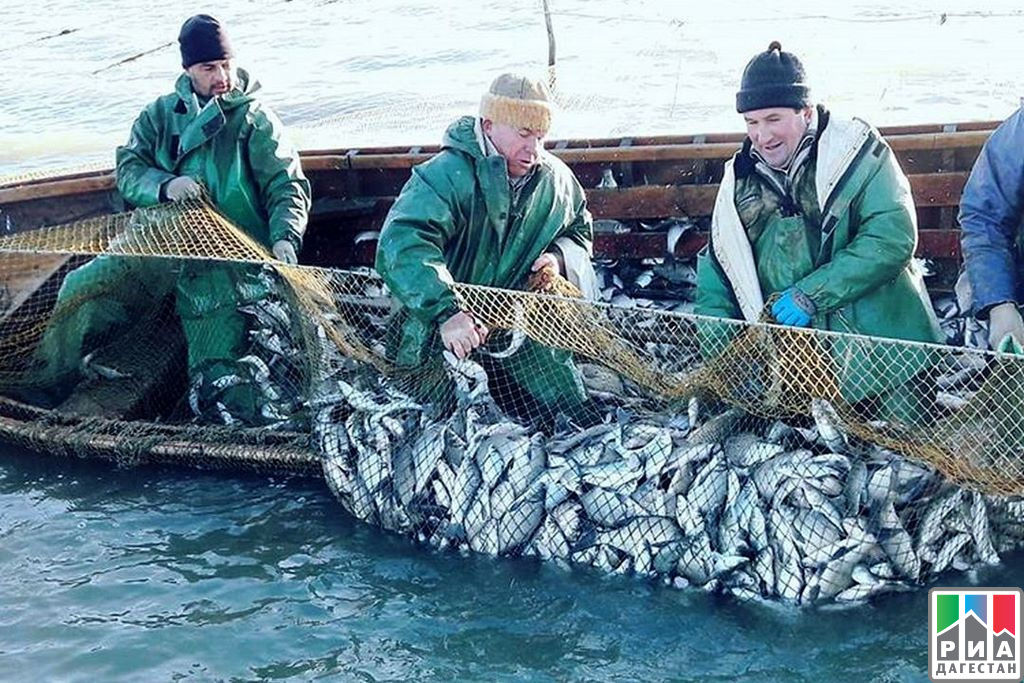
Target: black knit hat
point(773, 79)
point(203, 39)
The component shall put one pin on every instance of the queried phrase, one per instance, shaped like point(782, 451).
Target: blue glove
point(794, 308)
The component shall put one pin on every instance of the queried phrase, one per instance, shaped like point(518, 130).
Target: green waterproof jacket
point(233, 144)
point(455, 221)
point(846, 240)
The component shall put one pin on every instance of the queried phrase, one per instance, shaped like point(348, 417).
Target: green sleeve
point(410, 252)
point(715, 299)
point(282, 186)
point(139, 179)
point(580, 228)
point(884, 221)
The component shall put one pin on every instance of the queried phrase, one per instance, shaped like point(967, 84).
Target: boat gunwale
point(653, 149)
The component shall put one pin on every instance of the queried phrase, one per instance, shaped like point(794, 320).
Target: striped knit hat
point(518, 101)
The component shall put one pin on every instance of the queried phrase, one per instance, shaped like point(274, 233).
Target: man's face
point(210, 79)
point(775, 132)
point(520, 146)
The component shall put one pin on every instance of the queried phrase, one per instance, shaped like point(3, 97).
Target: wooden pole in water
point(551, 46)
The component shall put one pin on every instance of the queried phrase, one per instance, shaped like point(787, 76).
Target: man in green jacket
point(212, 132)
point(489, 209)
point(815, 208)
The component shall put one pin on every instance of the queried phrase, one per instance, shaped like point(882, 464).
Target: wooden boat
point(657, 178)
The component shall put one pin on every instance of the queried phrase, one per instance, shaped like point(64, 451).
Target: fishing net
point(752, 459)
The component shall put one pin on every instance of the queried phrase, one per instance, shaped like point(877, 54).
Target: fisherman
point(815, 215)
point(490, 209)
point(992, 231)
point(212, 135)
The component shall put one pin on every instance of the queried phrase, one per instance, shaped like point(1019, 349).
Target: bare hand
point(181, 188)
point(460, 334)
point(549, 261)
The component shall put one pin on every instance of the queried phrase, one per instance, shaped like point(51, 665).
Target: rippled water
point(160, 574)
point(364, 72)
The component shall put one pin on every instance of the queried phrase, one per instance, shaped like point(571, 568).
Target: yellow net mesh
point(753, 459)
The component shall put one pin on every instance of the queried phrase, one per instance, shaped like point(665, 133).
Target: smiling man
point(489, 209)
point(815, 209)
point(214, 132)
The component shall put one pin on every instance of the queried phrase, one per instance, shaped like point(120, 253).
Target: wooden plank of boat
point(49, 432)
point(934, 243)
point(616, 154)
point(663, 201)
point(585, 152)
point(650, 140)
point(21, 283)
point(647, 202)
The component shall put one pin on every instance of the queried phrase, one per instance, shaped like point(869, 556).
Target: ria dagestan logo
point(974, 635)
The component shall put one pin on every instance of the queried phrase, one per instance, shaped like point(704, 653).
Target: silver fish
point(814, 530)
point(337, 475)
point(518, 338)
point(502, 498)
point(829, 425)
point(601, 433)
point(854, 486)
point(717, 428)
point(710, 488)
point(362, 502)
point(747, 450)
point(930, 527)
point(751, 518)
point(693, 563)
point(550, 542)
point(333, 440)
point(441, 494)
point(837, 575)
point(260, 370)
point(896, 542)
point(464, 491)
point(479, 516)
point(949, 549)
point(981, 533)
point(520, 523)
point(730, 534)
point(655, 501)
point(528, 462)
point(493, 466)
point(859, 592)
point(693, 411)
point(769, 475)
point(428, 450)
point(485, 540)
point(615, 475)
point(764, 568)
point(633, 536)
point(568, 517)
point(609, 508)
point(884, 571)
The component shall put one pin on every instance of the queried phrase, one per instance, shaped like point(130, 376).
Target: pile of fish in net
point(704, 495)
point(725, 502)
point(691, 492)
point(267, 377)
